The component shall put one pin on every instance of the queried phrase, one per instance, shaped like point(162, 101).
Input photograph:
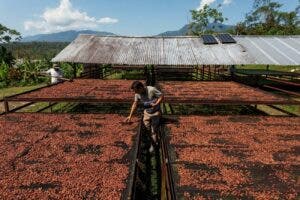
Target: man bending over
point(151, 99)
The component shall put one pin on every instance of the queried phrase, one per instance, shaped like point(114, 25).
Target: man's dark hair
point(137, 85)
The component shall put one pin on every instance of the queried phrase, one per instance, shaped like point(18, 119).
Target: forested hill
point(35, 50)
point(69, 36)
point(66, 36)
point(216, 27)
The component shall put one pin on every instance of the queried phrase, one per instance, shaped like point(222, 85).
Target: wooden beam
point(284, 111)
point(21, 107)
point(283, 81)
point(282, 90)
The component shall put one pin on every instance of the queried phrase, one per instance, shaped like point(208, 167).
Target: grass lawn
point(15, 90)
point(129, 75)
point(272, 67)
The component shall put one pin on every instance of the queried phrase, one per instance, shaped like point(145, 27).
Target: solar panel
point(226, 38)
point(209, 39)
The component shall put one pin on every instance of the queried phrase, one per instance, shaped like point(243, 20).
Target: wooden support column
point(171, 108)
point(209, 72)
point(153, 78)
point(102, 68)
point(267, 68)
point(202, 73)
point(74, 66)
point(215, 72)
point(164, 109)
point(6, 106)
point(147, 75)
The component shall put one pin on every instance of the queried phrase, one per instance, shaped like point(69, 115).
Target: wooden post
point(153, 78)
point(171, 108)
point(209, 72)
point(101, 71)
point(163, 109)
point(6, 106)
point(202, 73)
point(74, 70)
point(215, 72)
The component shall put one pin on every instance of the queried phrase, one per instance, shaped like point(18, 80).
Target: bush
point(4, 70)
point(67, 70)
point(28, 72)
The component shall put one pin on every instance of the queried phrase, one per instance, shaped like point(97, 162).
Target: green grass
point(271, 67)
point(16, 90)
point(295, 109)
point(270, 111)
point(131, 75)
point(4, 92)
point(58, 108)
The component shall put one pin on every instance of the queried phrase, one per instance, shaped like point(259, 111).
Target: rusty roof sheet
point(181, 51)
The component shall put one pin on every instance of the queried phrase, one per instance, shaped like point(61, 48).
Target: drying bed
point(45, 156)
point(217, 93)
point(82, 90)
point(235, 157)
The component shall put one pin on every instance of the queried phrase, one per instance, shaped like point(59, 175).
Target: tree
point(6, 34)
point(6, 57)
point(297, 10)
point(203, 17)
point(267, 19)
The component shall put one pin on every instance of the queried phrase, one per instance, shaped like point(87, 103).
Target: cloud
point(107, 20)
point(208, 2)
point(205, 2)
point(227, 2)
point(65, 17)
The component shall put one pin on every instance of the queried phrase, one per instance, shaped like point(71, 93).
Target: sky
point(123, 17)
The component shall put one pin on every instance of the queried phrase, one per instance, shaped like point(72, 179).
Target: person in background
point(55, 74)
point(150, 98)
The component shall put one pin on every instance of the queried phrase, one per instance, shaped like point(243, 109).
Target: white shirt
point(150, 96)
point(55, 75)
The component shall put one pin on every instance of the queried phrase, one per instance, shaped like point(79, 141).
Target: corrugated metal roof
point(181, 51)
point(273, 50)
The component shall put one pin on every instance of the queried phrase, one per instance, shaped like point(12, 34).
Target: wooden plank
point(281, 90)
point(283, 81)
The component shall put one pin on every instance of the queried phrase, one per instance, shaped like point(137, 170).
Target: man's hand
point(128, 119)
point(153, 104)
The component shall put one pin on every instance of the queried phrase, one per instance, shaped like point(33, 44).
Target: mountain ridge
point(65, 36)
point(69, 36)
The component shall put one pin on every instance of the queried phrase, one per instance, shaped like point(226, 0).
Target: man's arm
point(133, 108)
point(159, 100)
point(48, 72)
point(157, 94)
